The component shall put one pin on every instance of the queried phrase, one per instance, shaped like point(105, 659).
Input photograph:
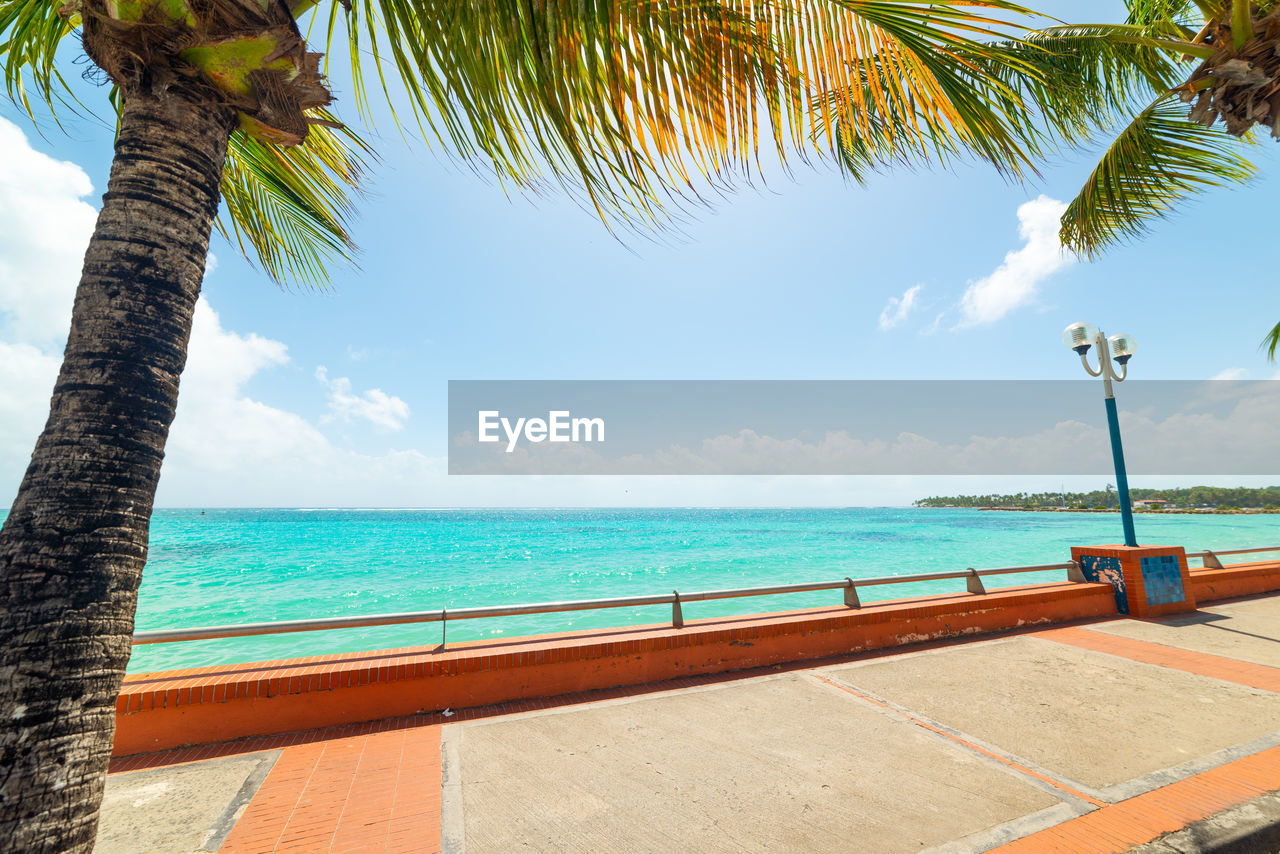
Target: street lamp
point(1120, 348)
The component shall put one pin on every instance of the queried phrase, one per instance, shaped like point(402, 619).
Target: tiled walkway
point(378, 787)
point(376, 792)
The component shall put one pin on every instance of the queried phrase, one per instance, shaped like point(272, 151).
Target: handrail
point(675, 599)
point(1207, 552)
point(1209, 559)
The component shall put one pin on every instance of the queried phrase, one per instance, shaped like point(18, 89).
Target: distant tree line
point(1193, 496)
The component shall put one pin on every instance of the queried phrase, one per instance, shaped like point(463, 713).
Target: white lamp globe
point(1122, 347)
point(1079, 336)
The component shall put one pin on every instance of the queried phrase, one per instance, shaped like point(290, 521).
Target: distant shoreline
point(1197, 511)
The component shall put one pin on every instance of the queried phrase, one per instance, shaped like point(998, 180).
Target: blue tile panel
point(1162, 577)
point(1106, 570)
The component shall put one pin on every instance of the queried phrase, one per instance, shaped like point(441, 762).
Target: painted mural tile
point(1162, 578)
point(1106, 570)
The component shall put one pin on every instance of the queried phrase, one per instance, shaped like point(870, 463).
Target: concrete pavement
point(1122, 733)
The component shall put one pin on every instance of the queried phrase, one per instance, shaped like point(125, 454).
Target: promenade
point(1112, 734)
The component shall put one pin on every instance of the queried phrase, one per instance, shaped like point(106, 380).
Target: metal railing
point(1209, 559)
point(973, 581)
point(675, 599)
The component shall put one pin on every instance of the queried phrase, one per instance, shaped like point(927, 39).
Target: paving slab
point(1088, 717)
point(1248, 631)
point(178, 809)
point(787, 763)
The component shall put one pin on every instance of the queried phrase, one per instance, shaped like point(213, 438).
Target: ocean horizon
point(215, 566)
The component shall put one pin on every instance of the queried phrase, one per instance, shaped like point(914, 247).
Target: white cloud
point(375, 406)
point(897, 309)
point(210, 264)
point(218, 428)
point(26, 382)
point(1231, 374)
point(225, 447)
point(46, 229)
point(1016, 281)
point(933, 327)
point(228, 449)
point(219, 362)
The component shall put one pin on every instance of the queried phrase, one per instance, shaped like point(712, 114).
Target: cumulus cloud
point(1017, 280)
point(1231, 374)
point(225, 448)
point(897, 309)
point(375, 406)
point(46, 228)
point(218, 427)
point(228, 448)
point(26, 381)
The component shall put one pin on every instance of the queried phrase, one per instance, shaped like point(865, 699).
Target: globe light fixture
point(1079, 336)
point(1116, 350)
point(1122, 347)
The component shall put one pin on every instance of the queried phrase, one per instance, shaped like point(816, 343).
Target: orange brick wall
point(158, 711)
point(1244, 579)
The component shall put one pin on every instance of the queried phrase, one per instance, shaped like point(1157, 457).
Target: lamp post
point(1080, 337)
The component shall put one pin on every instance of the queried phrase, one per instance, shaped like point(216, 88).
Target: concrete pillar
point(1148, 580)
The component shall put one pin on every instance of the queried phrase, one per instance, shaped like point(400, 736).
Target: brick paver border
point(1201, 663)
point(378, 792)
point(1140, 819)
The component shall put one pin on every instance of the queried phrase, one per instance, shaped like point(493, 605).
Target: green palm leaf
point(32, 31)
point(290, 207)
point(1083, 75)
point(957, 103)
point(1272, 342)
point(631, 101)
point(1058, 84)
point(1155, 162)
point(1156, 11)
point(627, 104)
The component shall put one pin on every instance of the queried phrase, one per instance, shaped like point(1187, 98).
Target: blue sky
point(457, 280)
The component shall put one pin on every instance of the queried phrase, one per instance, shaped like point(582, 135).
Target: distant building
point(1152, 503)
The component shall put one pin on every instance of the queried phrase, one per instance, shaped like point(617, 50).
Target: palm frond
point(1272, 342)
point(1083, 76)
point(957, 102)
point(290, 207)
point(634, 100)
point(1057, 85)
point(1146, 12)
point(1158, 160)
point(32, 31)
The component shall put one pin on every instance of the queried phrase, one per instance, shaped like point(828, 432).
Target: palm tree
point(1191, 80)
point(628, 105)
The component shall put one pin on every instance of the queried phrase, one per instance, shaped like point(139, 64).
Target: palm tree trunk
point(74, 544)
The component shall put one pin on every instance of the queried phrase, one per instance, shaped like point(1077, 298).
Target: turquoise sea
point(238, 566)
